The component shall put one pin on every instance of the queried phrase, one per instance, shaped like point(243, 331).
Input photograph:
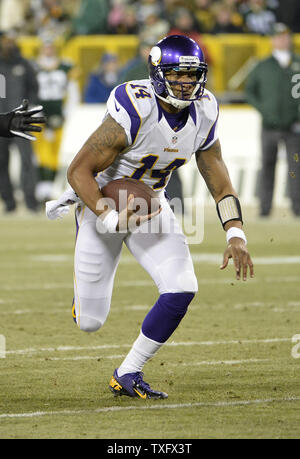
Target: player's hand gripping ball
point(145, 202)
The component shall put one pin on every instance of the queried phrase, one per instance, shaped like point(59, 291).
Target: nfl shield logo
point(174, 139)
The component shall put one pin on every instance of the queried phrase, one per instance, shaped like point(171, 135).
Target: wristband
point(229, 209)
point(111, 221)
point(235, 232)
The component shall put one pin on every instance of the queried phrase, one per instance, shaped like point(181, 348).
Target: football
point(145, 199)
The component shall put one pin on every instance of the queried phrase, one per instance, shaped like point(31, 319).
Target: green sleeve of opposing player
point(252, 88)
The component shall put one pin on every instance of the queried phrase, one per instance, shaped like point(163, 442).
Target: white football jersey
point(154, 148)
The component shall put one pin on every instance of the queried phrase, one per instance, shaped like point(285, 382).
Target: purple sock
point(165, 316)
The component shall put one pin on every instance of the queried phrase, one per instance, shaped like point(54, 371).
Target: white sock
point(143, 349)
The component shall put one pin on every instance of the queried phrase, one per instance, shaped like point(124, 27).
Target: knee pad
point(177, 276)
point(88, 324)
point(90, 314)
point(188, 282)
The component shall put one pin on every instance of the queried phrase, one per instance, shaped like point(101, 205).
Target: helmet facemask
point(165, 88)
point(186, 91)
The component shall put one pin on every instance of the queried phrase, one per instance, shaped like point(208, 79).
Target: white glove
point(60, 207)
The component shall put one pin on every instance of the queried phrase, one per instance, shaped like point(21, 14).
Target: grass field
point(228, 368)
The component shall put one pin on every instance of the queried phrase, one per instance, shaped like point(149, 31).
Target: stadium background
point(232, 368)
point(231, 58)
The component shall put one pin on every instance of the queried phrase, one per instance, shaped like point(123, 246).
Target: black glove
point(23, 120)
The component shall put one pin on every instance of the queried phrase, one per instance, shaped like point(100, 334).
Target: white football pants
point(163, 253)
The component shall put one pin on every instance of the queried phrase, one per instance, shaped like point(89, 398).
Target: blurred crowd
point(150, 19)
point(53, 82)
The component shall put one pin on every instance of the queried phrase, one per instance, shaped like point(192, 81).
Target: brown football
point(145, 202)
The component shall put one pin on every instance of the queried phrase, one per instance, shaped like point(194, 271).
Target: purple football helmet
point(182, 54)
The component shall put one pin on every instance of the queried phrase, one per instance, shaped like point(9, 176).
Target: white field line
point(102, 347)
point(163, 406)
point(129, 284)
point(65, 310)
point(51, 258)
point(220, 362)
point(240, 341)
point(87, 357)
point(19, 312)
point(288, 307)
point(187, 364)
point(271, 280)
point(277, 260)
point(205, 281)
point(57, 286)
point(120, 346)
point(263, 304)
point(212, 258)
point(149, 283)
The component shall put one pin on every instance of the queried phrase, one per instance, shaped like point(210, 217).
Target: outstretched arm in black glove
point(21, 121)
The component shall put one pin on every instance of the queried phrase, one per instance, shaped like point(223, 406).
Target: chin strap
point(180, 104)
point(172, 100)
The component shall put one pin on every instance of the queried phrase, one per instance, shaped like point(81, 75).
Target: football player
point(151, 128)
point(21, 121)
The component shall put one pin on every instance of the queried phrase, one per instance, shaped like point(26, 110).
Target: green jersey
point(53, 86)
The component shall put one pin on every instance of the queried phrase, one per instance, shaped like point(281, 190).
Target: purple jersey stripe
point(160, 111)
point(124, 100)
point(193, 113)
point(211, 133)
point(77, 227)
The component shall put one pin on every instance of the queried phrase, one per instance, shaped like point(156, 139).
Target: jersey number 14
point(162, 175)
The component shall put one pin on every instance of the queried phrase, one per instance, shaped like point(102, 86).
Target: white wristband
point(235, 232)
point(111, 221)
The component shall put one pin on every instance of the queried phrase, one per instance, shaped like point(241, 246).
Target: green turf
point(54, 370)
